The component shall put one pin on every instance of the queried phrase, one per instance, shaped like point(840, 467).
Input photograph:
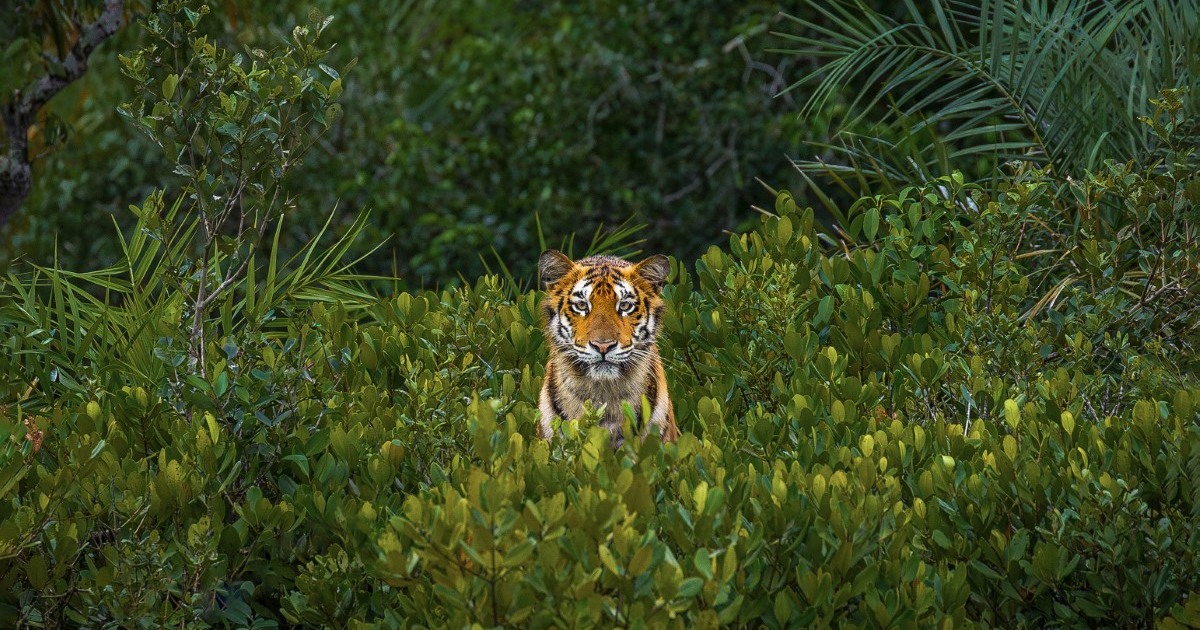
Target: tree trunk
point(19, 113)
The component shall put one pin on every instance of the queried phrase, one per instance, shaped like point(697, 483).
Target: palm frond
point(71, 331)
point(621, 241)
point(1061, 84)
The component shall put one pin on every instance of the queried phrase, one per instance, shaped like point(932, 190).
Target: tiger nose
point(604, 346)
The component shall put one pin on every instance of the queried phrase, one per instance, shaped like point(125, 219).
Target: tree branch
point(19, 114)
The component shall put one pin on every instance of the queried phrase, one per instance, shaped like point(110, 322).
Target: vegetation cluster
point(967, 398)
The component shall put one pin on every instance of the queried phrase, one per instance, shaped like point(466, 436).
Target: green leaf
point(519, 553)
point(690, 587)
point(1145, 413)
point(641, 560)
point(168, 86)
point(703, 563)
point(1012, 413)
point(987, 571)
point(333, 74)
point(871, 223)
point(300, 460)
point(606, 558)
point(37, 573)
point(782, 607)
point(214, 431)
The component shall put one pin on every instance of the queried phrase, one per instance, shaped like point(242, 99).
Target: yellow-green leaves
point(1012, 413)
point(168, 86)
point(1068, 422)
point(866, 441)
point(214, 430)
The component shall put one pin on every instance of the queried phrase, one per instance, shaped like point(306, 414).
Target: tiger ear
point(552, 266)
point(654, 270)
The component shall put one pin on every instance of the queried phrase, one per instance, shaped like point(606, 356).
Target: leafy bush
point(887, 435)
point(473, 125)
point(974, 409)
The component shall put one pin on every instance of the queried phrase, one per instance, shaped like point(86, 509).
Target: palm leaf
point(1061, 84)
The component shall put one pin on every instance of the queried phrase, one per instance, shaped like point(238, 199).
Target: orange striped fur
point(601, 317)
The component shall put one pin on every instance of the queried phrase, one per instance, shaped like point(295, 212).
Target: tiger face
point(602, 313)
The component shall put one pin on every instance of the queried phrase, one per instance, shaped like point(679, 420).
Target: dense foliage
point(895, 434)
point(970, 404)
point(970, 86)
point(471, 125)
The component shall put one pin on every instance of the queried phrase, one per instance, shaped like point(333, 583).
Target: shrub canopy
point(964, 404)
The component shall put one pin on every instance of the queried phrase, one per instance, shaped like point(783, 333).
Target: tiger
point(601, 316)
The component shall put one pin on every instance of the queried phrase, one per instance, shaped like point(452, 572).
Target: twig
point(19, 114)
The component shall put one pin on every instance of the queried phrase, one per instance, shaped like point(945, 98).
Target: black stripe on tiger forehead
point(600, 279)
point(576, 289)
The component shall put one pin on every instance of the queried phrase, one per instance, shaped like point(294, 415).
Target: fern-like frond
point(1058, 83)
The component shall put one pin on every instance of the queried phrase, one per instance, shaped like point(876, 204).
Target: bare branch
point(19, 114)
